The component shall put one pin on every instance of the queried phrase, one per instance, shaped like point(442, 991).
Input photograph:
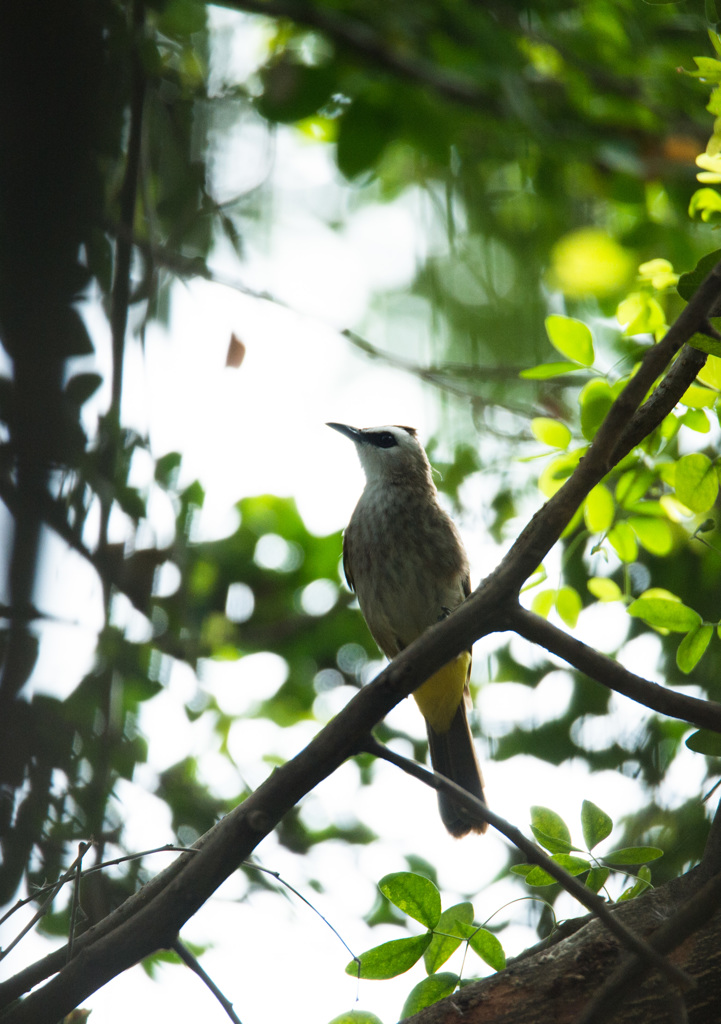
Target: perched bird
point(403, 557)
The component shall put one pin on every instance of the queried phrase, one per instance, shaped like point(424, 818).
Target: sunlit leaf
point(596, 824)
point(551, 432)
point(568, 605)
point(595, 400)
point(604, 589)
point(488, 948)
point(550, 830)
point(558, 471)
point(633, 855)
point(447, 936)
point(543, 602)
point(390, 958)
point(588, 261)
point(693, 647)
point(696, 397)
point(665, 613)
point(710, 374)
point(697, 482)
point(623, 540)
point(572, 338)
point(356, 1017)
point(414, 895)
point(545, 371)
point(655, 535)
point(599, 509)
point(428, 992)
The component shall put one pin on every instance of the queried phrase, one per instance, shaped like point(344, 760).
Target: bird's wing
point(346, 562)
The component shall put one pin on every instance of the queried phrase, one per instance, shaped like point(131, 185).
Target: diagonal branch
point(704, 714)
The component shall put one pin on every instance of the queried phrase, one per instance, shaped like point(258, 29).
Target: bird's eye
point(385, 439)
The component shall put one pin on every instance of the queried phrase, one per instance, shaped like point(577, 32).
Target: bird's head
point(388, 453)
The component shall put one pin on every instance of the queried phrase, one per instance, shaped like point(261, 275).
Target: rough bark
point(557, 984)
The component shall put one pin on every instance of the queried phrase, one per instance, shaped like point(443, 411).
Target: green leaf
point(665, 613)
point(364, 131)
point(604, 589)
point(707, 68)
point(79, 389)
point(632, 855)
point(696, 420)
point(292, 91)
point(414, 895)
point(558, 471)
point(545, 371)
point(543, 602)
point(640, 313)
point(689, 282)
point(428, 992)
point(550, 830)
point(704, 741)
point(356, 1017)
point(705, 204)
point(489, 949)
point(569, 606)
point(655, 535)
point(551, 432)
point(595, 400)
point(390, 958)
point(633, 485)
point(693, 647)
point(596, 824)
point(166, 468)
point(642, 883)
point(447, 936)
point(573, 865)
point(597, 878)
point(538, 877)
point(696, 482)
point(599, 509)
point(696, 397)
point(572, 338)
point(623, 540)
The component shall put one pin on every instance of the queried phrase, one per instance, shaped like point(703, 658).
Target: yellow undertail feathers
point(440, 696)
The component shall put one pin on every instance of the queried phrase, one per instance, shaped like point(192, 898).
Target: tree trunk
point(556, 983)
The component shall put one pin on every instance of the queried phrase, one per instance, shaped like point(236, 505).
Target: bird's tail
point(453, 755)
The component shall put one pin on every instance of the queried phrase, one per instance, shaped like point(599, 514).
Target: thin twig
point(276, 875)
point(44, 907)
point(704, 714)
point(75, 902)
point(591, 900)
point(68, 876)
point(190, 961)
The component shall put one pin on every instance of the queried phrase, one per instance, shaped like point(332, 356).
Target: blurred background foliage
point(553, 144)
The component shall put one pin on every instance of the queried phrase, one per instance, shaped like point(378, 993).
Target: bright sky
point(261, 429)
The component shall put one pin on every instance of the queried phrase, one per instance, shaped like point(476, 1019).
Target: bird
point(405, 560)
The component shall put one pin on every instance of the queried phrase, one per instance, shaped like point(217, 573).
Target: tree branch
point(152, 918)
point(704, 714)
point(585, 896)
point(371, 47)
point(687, 920)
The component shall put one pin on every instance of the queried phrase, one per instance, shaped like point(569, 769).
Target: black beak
point(352, 432)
